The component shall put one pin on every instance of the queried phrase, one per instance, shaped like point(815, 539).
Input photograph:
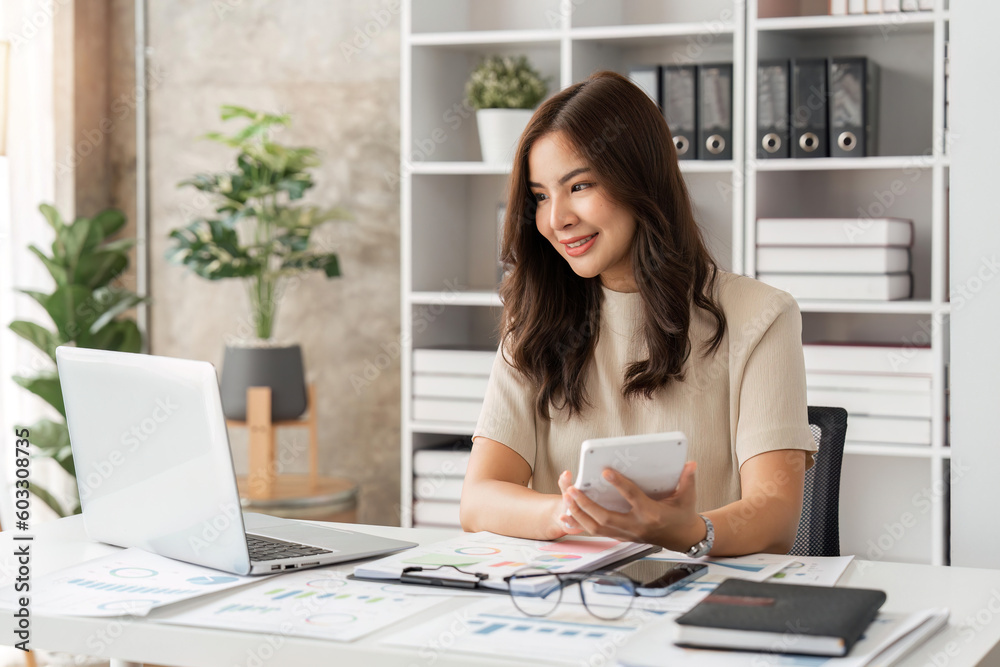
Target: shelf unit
point(449, 196)
point(907, 178)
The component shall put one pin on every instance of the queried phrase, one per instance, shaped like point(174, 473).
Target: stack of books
point(450, 384)
point(864, 259)
point(841, 7)
point(438, 474)
point(886, 390)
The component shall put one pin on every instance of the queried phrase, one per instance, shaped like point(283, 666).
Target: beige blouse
point(746, 399)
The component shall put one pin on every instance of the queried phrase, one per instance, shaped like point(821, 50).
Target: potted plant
point(260, 234)
point(504, 90)
point(87, 310)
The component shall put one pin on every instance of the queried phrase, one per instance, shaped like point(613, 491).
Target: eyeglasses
point(537, 592)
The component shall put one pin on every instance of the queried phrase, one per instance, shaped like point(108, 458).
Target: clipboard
point(460, 580)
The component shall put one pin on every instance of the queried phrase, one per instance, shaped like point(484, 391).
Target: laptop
point(155, 471)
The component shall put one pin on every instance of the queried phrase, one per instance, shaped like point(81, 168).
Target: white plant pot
point(499, 131)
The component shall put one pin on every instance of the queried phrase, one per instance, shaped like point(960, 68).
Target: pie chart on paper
point(556, 558)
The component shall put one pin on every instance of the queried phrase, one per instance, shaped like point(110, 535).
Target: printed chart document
point(498, 556)
point(812, 570)
point(129, 582)
point(495, 627)
point(889, 637)
point(309, 603)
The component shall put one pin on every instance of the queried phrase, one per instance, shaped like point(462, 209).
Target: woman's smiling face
point(591, 232)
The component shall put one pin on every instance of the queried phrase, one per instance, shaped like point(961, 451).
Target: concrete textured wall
point(287, 56)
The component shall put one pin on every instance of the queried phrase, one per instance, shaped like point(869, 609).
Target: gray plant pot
point(279, 368)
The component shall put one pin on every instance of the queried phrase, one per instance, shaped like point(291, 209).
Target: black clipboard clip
point(466, 580)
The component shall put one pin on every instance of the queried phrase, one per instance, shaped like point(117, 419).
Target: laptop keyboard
point(268, 548)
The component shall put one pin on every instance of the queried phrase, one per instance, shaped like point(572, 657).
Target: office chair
point(819, 525)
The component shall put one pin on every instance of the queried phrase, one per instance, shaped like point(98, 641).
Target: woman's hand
point(671, 522)
point(562, 524)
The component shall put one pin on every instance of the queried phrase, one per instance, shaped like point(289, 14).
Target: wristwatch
point(703, 547)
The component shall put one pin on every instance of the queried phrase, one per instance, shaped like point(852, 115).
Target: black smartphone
point(660, 577)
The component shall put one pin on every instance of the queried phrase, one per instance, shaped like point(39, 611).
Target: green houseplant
point(260, 233)
point(86, 310)
point(504, 90)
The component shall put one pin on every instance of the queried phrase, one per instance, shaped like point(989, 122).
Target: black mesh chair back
point(819, 526)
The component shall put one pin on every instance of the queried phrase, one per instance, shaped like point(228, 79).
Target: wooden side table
point(264, 489)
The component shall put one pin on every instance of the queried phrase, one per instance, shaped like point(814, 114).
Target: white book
point(873, 7)
point(913, 384)
point(873, 403)
point(892, 430)
point(446, 409)
point(437, 488)
point(832, 260)
point(436, 513)
point(846, 232)
point(926, 5)
point(910, 5)
point(646, 78)
point(891, 6)
point(853, 287)
point(838, 7)
point(885, 359)
point(856, 6)
point(435, 385)
point(438, 462)
point(457, 362)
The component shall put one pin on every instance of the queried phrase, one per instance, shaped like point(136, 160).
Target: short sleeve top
point(747, 398)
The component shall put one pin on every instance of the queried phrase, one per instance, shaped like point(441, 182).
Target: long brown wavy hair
point(551, 316)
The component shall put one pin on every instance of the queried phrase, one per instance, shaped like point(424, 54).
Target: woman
point(618, 322)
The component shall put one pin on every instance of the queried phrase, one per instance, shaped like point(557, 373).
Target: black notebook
point(780, 618)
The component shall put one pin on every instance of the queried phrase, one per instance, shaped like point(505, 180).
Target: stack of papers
point(318, 603)
point(130, 582)
point(498, 556)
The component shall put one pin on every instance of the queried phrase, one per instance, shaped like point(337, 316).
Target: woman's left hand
point(671, 522)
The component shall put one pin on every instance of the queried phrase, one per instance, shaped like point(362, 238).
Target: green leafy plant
point(86, 310)
point(505, 82)
point(260, 233)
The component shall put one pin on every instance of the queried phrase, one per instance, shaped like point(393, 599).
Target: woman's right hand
point(562, 523)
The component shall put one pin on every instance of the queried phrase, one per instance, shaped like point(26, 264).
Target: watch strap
point(704, 546)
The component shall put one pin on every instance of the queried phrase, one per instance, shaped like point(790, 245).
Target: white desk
point(968, 593)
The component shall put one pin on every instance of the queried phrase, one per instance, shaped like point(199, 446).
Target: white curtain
point(27, 178)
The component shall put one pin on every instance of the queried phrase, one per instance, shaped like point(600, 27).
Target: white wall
point(975, 268)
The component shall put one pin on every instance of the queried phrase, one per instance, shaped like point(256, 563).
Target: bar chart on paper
point(320, 604)
point(130, 582)
point(570, 634)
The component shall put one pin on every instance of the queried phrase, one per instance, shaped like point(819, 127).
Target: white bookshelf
point(449, 196)
point(880, 482)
